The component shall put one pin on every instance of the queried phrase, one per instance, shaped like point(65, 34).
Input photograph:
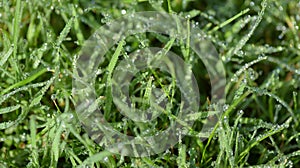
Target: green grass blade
point(110, 69)
point(16, 32)
point(246, 38)
point(34, 148)
point(6, 56)
point(9, 109)
point(25, 81)
point(230, 20)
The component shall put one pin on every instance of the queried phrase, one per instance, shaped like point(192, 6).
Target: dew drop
point(225, 107)
point(23, 137)
point(53, 96)
point(71, 116)
point(225, 119)
point(241, 112)
point(123, 12)
point(298, 17)
point(278, 107)
point(105, 159)
point(239, 53)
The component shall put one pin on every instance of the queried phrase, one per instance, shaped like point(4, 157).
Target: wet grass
point(258, 42)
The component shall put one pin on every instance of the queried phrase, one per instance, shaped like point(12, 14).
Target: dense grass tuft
point(258, 42)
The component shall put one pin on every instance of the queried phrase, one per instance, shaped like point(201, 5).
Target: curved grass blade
point(25, 81)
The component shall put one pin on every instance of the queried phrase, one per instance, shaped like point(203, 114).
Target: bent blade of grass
point(36, 99)
point(27, 87)
point(25, 81)
point(9, 109)
point(8, 124)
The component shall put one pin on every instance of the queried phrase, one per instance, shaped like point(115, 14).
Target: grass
point(258, 42)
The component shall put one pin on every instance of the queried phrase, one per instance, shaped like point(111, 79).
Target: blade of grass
point(8, 124)
point(246, 38)
point(9, 109)
point(110, 69)
point(34, 149)
point(25, 81)
point(55, 149)
point(24, 88)
point(6, 56)
point(260, 138)
point(243, 12)
point(99, 157)
point(16, 32)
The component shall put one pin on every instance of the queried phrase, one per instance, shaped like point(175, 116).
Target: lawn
point(149, 83)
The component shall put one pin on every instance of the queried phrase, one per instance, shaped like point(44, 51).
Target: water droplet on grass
point(225, 107)
point(105, 159)
point(123, 11)
point(280, 8)
point(297, 17)
point(278, 107)
point(239, 53)
point(23, 137)
point(53, 96)
point(241, 112)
